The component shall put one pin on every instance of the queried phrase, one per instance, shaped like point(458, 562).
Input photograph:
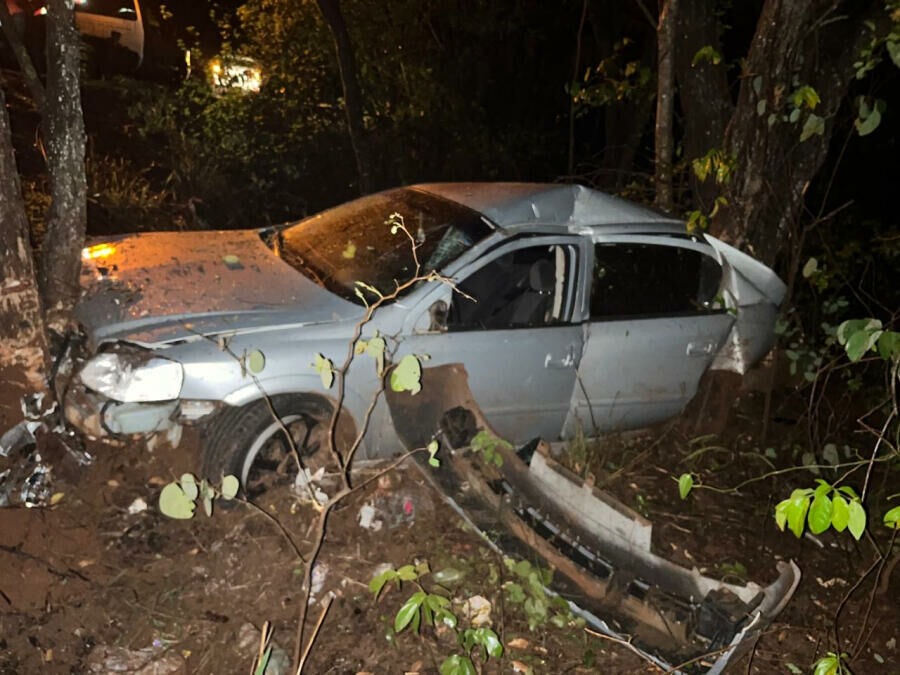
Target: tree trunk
point(665, 99)
point(63, 125)
point(797, 43)
point(331, 11)
point(702, 88)
point(814, 43)
point(23, 345)
point(576, 75)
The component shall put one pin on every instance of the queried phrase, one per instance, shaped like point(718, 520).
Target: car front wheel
point(250, 442)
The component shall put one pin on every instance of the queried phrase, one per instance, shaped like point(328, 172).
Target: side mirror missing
point(438, 313)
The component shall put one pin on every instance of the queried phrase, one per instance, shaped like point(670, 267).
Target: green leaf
point(491, 643)
point(781, 512)
point(757, 83)
point(807, 96)
point(840, 515)
point(685, 484)
point(256, 361)
point(409, 610)
point(827, 665)
point(820, 512)
point(523, 568)
point(432, 451)
point(851, 326)
point(407, 573)
point(794, 669)
point(706, 53)
point(813, 126)
point(514, 591)
point(889, 345)
point(407, 375)
point(189, 485)
point(457, 665)
point(325, 368)
point(849, 491)
point(892, 518)
point(264, 663)
point(446, 617)
point(869, 116)
point(856, 523)
point(796, 513)
point(866, 126)
point(374, 348)
point(230, 487)
point(174, 503)
point(810, 268)
point(378, 582)
point(893, 50)
point(862, 341)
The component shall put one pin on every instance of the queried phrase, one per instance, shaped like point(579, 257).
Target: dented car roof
point(513, 205)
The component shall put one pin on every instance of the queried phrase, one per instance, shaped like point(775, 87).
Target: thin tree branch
point(35, 87)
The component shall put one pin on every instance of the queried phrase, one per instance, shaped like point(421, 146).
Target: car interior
point(520, 289)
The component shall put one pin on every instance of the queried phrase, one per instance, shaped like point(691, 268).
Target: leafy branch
point(432, 609)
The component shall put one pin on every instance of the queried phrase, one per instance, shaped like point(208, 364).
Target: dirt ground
point(97, 583)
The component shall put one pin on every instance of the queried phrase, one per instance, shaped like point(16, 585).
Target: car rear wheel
point(250, 443)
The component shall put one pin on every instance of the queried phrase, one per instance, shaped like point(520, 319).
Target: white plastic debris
point(317, 579)
point(367, 519)
point(305, 482)
point(137, 506)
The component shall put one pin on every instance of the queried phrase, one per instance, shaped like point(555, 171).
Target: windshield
point(351, 243)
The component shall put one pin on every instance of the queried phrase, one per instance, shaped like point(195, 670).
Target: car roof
point(515, 206)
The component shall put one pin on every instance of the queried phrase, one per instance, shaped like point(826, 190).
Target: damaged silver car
point(576, 309)
point(570, 311)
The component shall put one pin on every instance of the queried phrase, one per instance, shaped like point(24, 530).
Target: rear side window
point(652, 280)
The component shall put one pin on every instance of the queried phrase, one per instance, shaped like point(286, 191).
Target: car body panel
point(162, 287)
point(755, 293)
point(523, 377)
point(638, 372)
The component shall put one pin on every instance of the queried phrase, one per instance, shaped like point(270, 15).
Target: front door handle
point(701, 348)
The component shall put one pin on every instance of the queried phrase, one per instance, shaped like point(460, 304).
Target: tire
point(249, 443)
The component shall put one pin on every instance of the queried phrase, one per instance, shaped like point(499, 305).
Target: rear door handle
point(701, 348)
point(568, 360)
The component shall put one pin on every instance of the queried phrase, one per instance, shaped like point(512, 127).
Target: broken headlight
point(133, 377)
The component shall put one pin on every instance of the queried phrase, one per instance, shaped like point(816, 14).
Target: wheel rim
point(270, 452)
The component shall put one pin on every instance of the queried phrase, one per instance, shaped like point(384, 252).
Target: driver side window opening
point(524, 288)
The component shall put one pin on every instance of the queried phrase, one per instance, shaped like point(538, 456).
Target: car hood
point(160, 287)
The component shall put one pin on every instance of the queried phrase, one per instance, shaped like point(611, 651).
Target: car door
point(509, 322)
point(656, 321)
